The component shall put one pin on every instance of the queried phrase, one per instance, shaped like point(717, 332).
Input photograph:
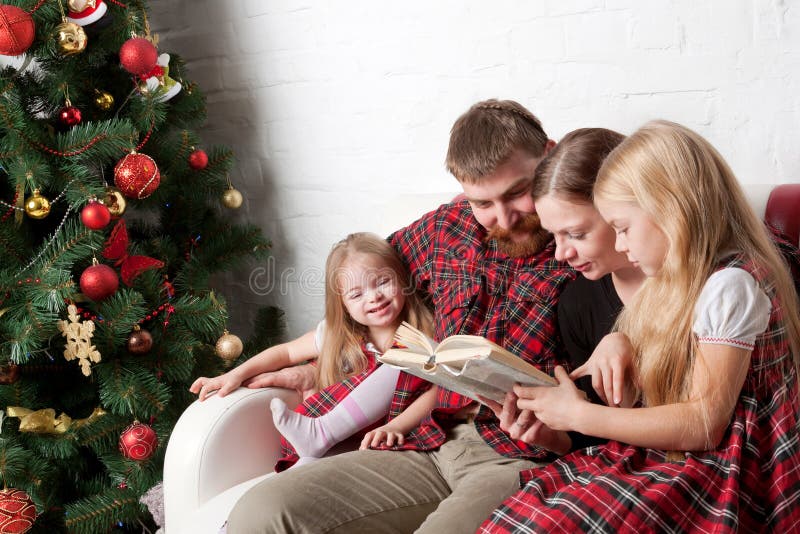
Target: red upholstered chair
point(783, 210)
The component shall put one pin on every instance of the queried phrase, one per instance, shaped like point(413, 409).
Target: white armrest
point(217, 444)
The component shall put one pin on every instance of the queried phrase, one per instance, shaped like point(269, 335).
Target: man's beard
point(537, 238)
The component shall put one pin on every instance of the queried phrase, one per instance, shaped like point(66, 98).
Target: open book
point(469, 365)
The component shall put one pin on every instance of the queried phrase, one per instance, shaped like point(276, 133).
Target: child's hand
point(552, 405)
point(607, 366)
point(222, 384)
point(522, 425)
point(385, 434)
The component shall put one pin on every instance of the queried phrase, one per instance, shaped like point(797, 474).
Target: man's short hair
point(484, 137)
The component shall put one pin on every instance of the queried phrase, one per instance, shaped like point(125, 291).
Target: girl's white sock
point(366, 404)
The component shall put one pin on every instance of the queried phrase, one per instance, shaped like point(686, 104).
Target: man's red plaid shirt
point(475, 289)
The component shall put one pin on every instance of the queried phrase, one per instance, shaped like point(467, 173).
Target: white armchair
point(223, 446)
point(219, 448)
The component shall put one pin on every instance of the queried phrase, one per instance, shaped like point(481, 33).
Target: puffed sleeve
point(732, 310)
point(319, 335)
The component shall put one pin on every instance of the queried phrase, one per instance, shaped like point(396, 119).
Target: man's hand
point(523, 425)
point(299, 377)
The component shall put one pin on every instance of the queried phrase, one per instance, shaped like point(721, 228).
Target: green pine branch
point(96, 513)
point(119, 313)
point(103, 434)
point(73, 244)
point(135, 392)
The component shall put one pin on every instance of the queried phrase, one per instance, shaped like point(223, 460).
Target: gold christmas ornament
point(79, 340)
point(232, 198)
point(229, 347)
point(115, 202)
point(71, 38)
point(103, 100)
point(37, 206)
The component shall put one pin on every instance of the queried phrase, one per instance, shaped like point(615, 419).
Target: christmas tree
point(112, 221)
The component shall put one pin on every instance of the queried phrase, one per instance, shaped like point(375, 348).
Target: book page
point(457, 356)
point(414, 339)
point(464, 341)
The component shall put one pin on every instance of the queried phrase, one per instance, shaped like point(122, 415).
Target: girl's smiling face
point(370, 291)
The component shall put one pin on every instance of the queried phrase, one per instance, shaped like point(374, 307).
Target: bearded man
point(488, 269)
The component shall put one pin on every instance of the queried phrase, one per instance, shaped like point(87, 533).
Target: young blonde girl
point(368, 293)
point(714, 331)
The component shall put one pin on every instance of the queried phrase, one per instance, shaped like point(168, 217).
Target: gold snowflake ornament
point(79, 340)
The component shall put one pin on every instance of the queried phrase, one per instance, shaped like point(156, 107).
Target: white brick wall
point(339, 111)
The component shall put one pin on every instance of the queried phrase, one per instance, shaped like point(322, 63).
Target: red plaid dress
point(750, 483)
point(475, 289)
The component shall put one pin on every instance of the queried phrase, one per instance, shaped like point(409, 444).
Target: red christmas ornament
point(69, 115)
point(17, 511)
point(95, 216)
point(198, 160)
point(136, 175)
point(138, 442)
point(99, 281)
point(138, 56)
point(16, 30)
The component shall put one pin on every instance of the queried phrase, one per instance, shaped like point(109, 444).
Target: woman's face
point(583, 239)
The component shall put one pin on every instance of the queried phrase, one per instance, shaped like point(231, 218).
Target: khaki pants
point(450, 490)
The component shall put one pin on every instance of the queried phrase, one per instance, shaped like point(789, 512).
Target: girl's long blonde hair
point(690, 193)
point(341, 354)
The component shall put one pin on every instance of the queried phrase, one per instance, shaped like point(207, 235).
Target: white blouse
point(732, 310)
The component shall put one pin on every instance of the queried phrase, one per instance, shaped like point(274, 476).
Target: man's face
point(502, 204)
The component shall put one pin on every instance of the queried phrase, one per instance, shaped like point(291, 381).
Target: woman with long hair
point(589, 305)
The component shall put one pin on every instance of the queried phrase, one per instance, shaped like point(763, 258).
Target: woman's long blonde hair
point(341, 354)
point(690, 193)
